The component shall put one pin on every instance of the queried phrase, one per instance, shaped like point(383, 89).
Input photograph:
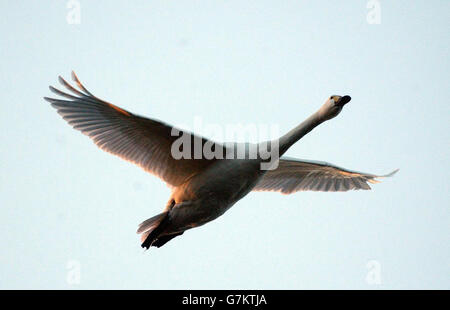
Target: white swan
point(203, 189)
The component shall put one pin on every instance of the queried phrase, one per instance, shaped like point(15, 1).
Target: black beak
point(343, 101)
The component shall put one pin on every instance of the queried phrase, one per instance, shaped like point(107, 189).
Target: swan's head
point(333, 106)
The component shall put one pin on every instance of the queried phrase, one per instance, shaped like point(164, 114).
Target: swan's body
point(203, 189)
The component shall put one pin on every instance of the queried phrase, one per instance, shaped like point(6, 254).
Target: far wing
point(293, 175)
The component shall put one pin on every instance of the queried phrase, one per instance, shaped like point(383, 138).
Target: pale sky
point(67, 206)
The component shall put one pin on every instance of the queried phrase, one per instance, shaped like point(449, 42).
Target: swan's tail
point(152, 230)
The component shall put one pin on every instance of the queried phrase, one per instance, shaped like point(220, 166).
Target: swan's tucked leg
point(152, 228)
point(161, 240)
point(162, 228)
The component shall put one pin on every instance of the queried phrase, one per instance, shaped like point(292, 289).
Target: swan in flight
point(202, 189)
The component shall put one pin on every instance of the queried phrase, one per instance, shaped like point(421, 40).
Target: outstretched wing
point(145, 142)
point(293, 175)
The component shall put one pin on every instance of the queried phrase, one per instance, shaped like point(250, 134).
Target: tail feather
point(151, 223)
point(152, 228)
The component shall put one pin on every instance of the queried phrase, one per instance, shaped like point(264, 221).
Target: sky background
point(68, 209)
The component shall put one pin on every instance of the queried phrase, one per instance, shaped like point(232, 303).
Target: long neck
point(287, 140)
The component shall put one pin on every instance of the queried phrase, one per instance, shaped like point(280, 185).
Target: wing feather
point(293, 175)
point(143, 141)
